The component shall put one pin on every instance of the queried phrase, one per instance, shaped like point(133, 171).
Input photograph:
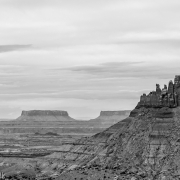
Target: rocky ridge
point(146, 145)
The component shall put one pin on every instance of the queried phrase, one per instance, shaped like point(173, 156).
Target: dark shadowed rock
point(164, 113)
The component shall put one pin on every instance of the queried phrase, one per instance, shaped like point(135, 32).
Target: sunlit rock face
point(45, 115)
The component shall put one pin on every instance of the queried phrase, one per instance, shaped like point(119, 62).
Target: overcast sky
point(84, 56)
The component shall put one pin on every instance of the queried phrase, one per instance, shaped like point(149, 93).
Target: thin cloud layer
point(130, 70)
point(85, 56)
point(7, 48)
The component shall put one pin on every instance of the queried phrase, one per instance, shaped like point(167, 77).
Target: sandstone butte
point(146, 145)
point(108, 118)
point(58, 121)
point(105, 117)
point(45, 115)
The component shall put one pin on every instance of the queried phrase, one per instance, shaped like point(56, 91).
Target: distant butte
point(45, 115)
point(108, 118)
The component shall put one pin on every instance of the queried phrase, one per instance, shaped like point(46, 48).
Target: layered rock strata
point(143, 146)
point(146, 145)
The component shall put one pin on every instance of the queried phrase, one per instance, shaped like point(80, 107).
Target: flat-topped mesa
point(108, 118)
point(45, 115)
point(167, 97)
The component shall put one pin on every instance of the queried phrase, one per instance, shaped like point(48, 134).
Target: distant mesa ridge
point(166, 97)
point(44, 113)
point(108, 118)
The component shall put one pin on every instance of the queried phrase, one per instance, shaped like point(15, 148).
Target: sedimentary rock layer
point(143, 146)
point(115, 113)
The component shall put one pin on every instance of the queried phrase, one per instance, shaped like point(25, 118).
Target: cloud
point(90, 54)
point(78, 94)
point(8, 48)
point(128, 70)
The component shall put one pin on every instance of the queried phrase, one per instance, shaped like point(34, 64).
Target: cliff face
point(143, 146)
point(45, 115)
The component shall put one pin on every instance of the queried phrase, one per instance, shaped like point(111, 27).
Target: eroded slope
point(145, 146)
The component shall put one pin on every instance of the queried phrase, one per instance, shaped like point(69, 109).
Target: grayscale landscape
point(37, 140)
point(89, 90)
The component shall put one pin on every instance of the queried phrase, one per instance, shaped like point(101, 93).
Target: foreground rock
point(146, 145)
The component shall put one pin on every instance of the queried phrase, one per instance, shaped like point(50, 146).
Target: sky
point(84, 56)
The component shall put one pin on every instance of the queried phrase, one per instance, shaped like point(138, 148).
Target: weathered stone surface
point(112, 113)
point(164, 113)
point(134, 113)
point(145, 145)
point(167, 97)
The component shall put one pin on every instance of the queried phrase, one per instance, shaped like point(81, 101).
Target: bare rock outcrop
point(145, 146)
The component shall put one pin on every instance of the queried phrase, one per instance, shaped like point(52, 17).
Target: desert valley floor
point(36, 143)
